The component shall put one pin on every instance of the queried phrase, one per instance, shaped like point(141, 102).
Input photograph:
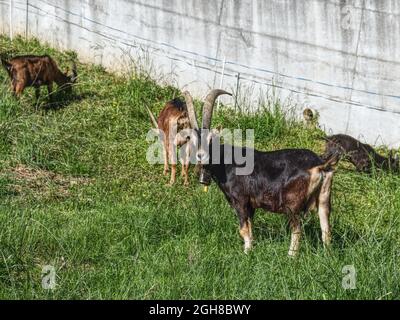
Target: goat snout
point(202, 157)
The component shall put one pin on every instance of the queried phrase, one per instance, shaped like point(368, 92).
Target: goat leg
point(185, 173)
point(49, 91)
point(245, 230)
point(37, 93)
point(186, 163)
point(324, 207)
point(18, 88)
point(296, 235)
point(172, 157)
point(13, 87)
point(166, 156)
point(246, 233)
point(173, 174)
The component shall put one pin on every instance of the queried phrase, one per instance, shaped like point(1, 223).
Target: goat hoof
point(327, 240)
point(292, 253)
point(247, 250)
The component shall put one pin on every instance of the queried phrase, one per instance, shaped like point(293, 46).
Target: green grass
point(77, 193)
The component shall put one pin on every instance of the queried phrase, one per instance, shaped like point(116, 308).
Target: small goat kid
point(37, 71)
point(173, 122)
point(361, 155)
point(290, 181)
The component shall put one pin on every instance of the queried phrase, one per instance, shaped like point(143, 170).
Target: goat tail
point(6, 65)
point(153, 119)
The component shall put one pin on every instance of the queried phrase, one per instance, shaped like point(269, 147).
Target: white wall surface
point(340, 57)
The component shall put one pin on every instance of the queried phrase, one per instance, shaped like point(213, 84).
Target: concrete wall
point(340, 57)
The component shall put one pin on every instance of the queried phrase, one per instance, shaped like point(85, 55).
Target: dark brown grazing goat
point(37, 71)
point(362, 155)
point(290, 181)
point(173, 121)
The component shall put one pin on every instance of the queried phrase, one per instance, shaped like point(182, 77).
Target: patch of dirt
point(26, 180)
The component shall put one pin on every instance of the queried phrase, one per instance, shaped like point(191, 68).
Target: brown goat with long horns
point(36, 71)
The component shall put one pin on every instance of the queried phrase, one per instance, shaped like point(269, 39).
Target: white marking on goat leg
point(166, 156)
point(185, 163)
point(324, 208)
point(247, 236)
point(247, 244)
point(316, 178)
point(172, 161)
point(248, 241)
point(295, 238)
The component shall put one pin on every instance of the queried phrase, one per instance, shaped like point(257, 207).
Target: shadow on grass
point(62, 100)
point(59, 99)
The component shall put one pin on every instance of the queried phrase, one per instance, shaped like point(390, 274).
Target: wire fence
point(219, 66)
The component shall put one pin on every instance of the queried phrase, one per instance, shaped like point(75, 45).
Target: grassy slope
point(113, 229)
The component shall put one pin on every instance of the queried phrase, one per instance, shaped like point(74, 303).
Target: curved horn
point(190, 108)
point(209, 106)
point(153, 119)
